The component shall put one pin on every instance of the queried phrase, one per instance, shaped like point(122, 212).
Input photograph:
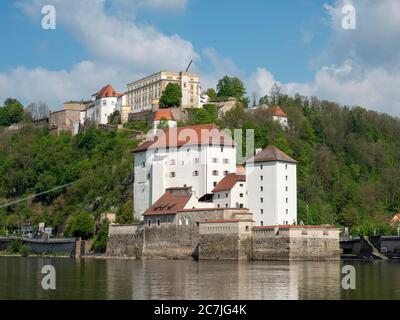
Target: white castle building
point(203, 158)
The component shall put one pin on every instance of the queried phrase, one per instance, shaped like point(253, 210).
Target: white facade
point(272, 192)
point(282, 120)
point(145, 93)
point(233, 198)
point(199, 167)
point(101, 110)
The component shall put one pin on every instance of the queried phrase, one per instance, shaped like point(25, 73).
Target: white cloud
point(366, 71)
point(55, 87)
point(121, 48)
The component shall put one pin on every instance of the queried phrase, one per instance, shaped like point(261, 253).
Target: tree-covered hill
point(348, 165)
point(98, 164)
point(348, 159)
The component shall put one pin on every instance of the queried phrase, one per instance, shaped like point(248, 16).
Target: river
point(20, 278)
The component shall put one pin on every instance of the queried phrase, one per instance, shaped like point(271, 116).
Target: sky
point(300, 45)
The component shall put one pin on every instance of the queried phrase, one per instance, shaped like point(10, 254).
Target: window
point(149, 222)
point(143, 164)
point(241, 195)
point(226, 173)
point(226, 205)
point(261, 178)
point(261, 167)
point(286, 166)
point(226, 161)
point(172, 175)
point(287, 189)
point(218, 206)
point(187, 220)
point(222, 149)
point(196, 160)
point(214, 160)
point(240, 184)
point(262, 223)
point(196, 173)
point(287, 211)
point(287, 200)
point(214, 183)
point(247, 228)
point(286, 178)
point(261, 189)
point(215, 173)
point(219, 196)
point(173, 162)
point(262, 200)
point(241, 205)
point(158, 222)
point(226, 195)
point(262, 211)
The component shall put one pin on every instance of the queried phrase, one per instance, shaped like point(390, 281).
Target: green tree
point(171, 97)
point(12, 112)
point(212, 94)
point(80, 225)
point(231, 87)
point(100, 240)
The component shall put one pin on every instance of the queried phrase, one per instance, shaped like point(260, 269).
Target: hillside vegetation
point(348, 166)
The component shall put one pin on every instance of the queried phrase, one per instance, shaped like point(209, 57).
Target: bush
point(100, 241)
point(80, 226)
point(17, 246)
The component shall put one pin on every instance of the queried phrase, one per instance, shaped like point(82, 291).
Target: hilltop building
point(163, 117)
point(123, 107)
point(280, 116)
point(103, 105)
point(144, 94)
point(70, 119)
point(277, 113)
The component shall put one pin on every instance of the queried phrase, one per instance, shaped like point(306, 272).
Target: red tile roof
point(107, 92)
point(278, 112)
point(202, 134)
point(169, 203)
point(228, 182)
point(163, 114)
point(271, 154)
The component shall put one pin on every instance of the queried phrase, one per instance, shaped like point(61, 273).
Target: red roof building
point(202, 134)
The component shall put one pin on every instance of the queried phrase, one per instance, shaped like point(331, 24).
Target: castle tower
point(272, 187)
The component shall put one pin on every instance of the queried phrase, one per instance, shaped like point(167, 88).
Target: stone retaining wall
point(219, 247)
point(125, 241)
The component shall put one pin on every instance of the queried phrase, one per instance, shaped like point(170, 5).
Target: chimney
point(258, 150)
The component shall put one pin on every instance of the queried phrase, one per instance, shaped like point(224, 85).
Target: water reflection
point(20, 278)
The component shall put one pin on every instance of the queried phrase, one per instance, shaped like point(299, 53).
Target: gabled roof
point(277, 111)
point(107, 92)
point(228, 182)
point(170, 203)
point(163, 114)
point(271, 154)
point(202, 134)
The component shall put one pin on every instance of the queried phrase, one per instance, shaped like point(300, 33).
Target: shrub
point(17, 246)
point(80, 226)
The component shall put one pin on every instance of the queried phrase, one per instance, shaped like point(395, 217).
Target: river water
point(20, 278)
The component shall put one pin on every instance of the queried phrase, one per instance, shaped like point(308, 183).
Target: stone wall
point(219, 247)
point(125, 241)
point(299, 244)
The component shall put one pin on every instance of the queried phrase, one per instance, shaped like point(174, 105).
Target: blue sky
point(297, 44)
